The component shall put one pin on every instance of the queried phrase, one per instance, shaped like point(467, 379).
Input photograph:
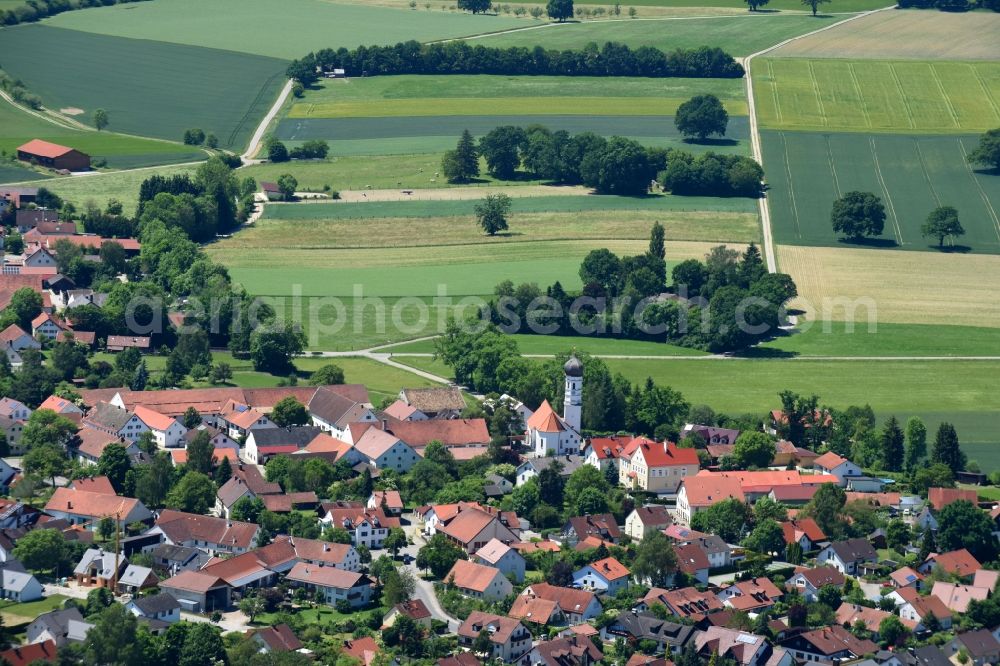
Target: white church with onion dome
point(548, 433)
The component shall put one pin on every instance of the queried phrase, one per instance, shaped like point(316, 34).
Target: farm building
point(53, 155)
point(271, 191)
point(117, 343)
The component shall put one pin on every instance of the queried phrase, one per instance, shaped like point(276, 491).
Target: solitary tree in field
point(988, 151)
point(100, 119)
point(942, 223)
point(756, 4)
point(462, 164)
point(701, 116)
point(492, 213)
point(560, 10)
point(857, 215)
point(814, 4)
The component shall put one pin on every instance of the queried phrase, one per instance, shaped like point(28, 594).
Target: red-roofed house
point(478, 581)
point(576, 605)
point(96, 484)
point(539, 611)
point(603, 452)
point(939, 498)
point(606, 576)
point(646, 519)
point(16, 338)
point(53, 156)
point(167, 431)
point(842, 468)
point(959, 563)
point(48, 326)
point(415, 609)
point(335, 584)
point(279, 638)
point(81, 507)
point(30, 653)
point(509, 639)
point(702, 491)
point(751, 596)
point(655, 467)
point(804, 532)
point(684, 602)
point(472, 529)
point(693, 560)
point(388, 500)
point(915, 607)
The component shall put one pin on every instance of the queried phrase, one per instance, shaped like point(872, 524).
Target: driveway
point(425, 589)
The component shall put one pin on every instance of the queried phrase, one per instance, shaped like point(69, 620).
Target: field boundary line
point(833, 167)
point(861, 95)
point(791, 188)
point(755, 143)
point(947, 100)
point(986, 90)
point(885, 190)
point(982, 192)
point(774, 91)
point(902, 96)
point(923, 168)
point(819, 98)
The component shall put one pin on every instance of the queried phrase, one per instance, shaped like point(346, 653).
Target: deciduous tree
point(560, 10)
point(858, 215)
point(655, 560)
point(492, 212)
point(942, 223)
point(988, 151)
point(100, 119)
point(289, 412)
point(701, 117)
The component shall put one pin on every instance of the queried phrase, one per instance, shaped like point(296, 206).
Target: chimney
point(385, 424)
point(69, 505)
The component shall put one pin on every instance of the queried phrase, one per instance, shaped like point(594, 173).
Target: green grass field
point(737, 35)
point(11, 172)
point(897, 96)
point(783, 5)
point(18, 127)
point(159, 89)
point(836, 339)
point(100, 187)
point(259, 26)
point(912, 174)
point(554, 344)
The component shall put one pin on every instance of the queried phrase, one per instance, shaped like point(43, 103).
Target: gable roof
point(654, 515)
point(958, 562)
point(942, 497)
point(905, 576)
point(467, 524)
point(44, 148)
point(821, 576)
point(179, 527)
point(567, 651)
point(156, 603)
point(500, 628)
point(94, 505)
point(979, 643)
point(666, 454)
point(848, 614)
point(706, 490)
point(854, 550)
point(297, 436)
point(829, 460)
point(279, 638)
point(493, 551)
point(957, 597)
point(595, 525)
point(434, 400)
point(833, 639)
point(923, 605)
point(414, 609)
point(23, 655)
point(340, 579)
point(97, 484)
point(154, 419)
point(107, 416)
point(609, 569)
point(193, 581)
point(533, 609)
point(450, 432)
point(685, 602)
point(335, 408)
point(796, 529)
point(570, 600)
point(472, 576)
point(11, 334)
point(375, 443)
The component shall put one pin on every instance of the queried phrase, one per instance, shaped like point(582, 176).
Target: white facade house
point(167, 431)
point(500, 556)
point(20, 586)
point(384, 450)
point(607, 576)
point(838, 466)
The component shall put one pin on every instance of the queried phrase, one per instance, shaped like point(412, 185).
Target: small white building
point(838, 466)
point(20, 586)
point(167, 431)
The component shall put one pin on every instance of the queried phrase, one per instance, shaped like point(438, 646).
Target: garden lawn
point(26, 612)
point(18, 127)
point(159, 90)
point(289, 29)
point(931, 97)
point(807, 171)
point(737, 35)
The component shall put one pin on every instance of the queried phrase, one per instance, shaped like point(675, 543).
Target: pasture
point(737, 35)
point(917, 35)
point(842, 6)
point(249, 25)
point(913, 175)
point(883, 96)
point(896, 287)
point(18, 127)
point(11, 172)
point(554, 344)
point(837, 338)
point(160, 89)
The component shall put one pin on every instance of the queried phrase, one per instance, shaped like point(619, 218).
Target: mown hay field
point(285, 30)
point(915, 34)
point(737, 35)
point(148, 88)
point(18, 127)
point(807, 171)
point(896, 287)
point(883, 96)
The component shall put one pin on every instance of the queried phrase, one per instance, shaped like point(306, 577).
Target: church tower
point(573, 400)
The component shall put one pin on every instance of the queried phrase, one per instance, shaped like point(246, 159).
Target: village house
point(81, 507)
point(333, 411)
point(656, 468)
point(533, 467)
point(914, 607)
point(135, 579)
point(686, 602)
point(98, 568)
point(692, 560)
point(543, 612)
point(828, 645)
point(670, 637)
point(906, 577)
point(265, 442)
point(117, 343)
point(198, 592)
point(804, 532)
point(699, 492)
point(509, 639)
point(605, 576)
point(499, 555)
point(210, 534)
point(959, 563)
point(115, 421)
point(646, 519)
point(577, 605)
point(744, 648)
point(401, 411)
point(604, 452)
point(16, 338)
point(388, 500)
point(751, 596)
point(383, 450)
point(367, 527)
point(810, 580)
point(957, 598)
point(939, 498)
point(279, 638)
point(178, 558)
point(334, 584)
point(238, 420)
point(59, 626)
point(838, 466)
point(980, 645)
point(565, 651)
point(473, 528)
point(167, 431)
point(415, 609)
point(478, 581)
point(604, 526)
point(848, 556)
point(848, 615)
point(19, 586)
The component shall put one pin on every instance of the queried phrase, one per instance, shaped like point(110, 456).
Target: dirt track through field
point(457, 193)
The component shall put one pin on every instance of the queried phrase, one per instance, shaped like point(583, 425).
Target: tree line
point(950, 5)
point(614, 165)
point(36, 10)
point(457, 57)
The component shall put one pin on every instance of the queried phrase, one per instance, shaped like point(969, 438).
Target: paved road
point(258, 134)
point(425, 589)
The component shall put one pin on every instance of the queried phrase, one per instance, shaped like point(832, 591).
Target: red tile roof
point(180, 527)
point(545, 419)
point(193, 581)
point(829, 460)
point(610, 569)
point(153, 419)
point(833, 639)
point(942, 497)
point(471, 576)
point(94, 505)
point(314, 574)
point(796, 529)
point(504, 627)
point(705, 490)
point(279, 638)
point(691, 558)
point(364, 649)
point(924, 604)
point(533, 609)
point(97, 484)
point(12, 333)
point(44, 148)
point(655, 454)
point(958, 562)
point(570, 600)
point(27, 654)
